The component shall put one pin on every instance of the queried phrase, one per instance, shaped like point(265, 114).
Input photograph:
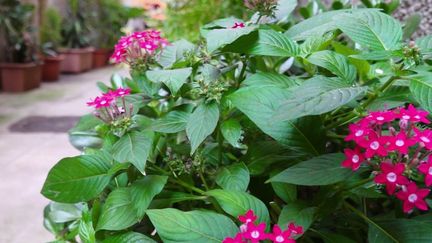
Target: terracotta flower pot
point(101, 57)
point(77, 60)
point(19, 77)
point(51, 68)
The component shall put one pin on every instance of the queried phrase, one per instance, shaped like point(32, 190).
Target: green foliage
point(254, 118)
point(76, 28)
point(50, 30)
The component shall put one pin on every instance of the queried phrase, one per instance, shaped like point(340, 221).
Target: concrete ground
point(26, 158)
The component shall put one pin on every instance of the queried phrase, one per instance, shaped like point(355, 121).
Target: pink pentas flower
point(248, 217)
point(255, 233)
point(424, 137)
point(426, 169)
point(381, 117)
point(413, 197)
point(237, 239)
point(413, 115)
point(295, 229)
point(375, 145)
point(357, 132)
point(391, 176)
point(238, 25)
point(354, 158)
point(279, 236)
point(400, 143)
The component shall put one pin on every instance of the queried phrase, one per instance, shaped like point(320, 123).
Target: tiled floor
point(25, 158)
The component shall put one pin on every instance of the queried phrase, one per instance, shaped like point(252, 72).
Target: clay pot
point(101, 57)
point(51, 68)
point(77, 60)
point(19, 77)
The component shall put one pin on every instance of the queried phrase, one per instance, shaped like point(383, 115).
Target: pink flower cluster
point(399, 151)
point(254, 233)
point(106, 105)
point(138, 45)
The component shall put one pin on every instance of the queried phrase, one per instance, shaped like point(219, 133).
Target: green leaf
point(316, 43)
point(83, 134)
point(316, 96)
point(372, 29)
point(266, 43)
point(234, 177)
point(404, 230)
point(288, 192)
point(335, 238)
point(377, 55)
point(173, 122)
point(270, 79)
point(297, 213)
point(86, 231)
point(65, 212)
point(126, 206)
point(425, 45)
point(393, 97)
point(237, 203)
point(134, 147)
point(175, 52)
point(202, 123)
point(173, 79)
point(421, 88)
point(302, 136)
point(77, 179)
point(129, 237)
point(232, 132)
point(336, 63)
point(322, 170)
point(175, 226)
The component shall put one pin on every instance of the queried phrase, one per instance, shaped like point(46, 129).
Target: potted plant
point(112, 15)
point(50, 36)
point(20, 69)
point(78, 54)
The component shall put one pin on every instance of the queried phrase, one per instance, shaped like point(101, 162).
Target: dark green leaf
point(270, 79)
point(297, 213)
point(403, 230)
point(234, 177)
point(173, 122)
point(336, 63)
point(130, 237)
point(202, 123)
point(421, 88)
point(288, 192)
point(232, 132)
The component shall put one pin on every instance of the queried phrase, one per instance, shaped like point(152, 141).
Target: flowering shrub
point(254, 121)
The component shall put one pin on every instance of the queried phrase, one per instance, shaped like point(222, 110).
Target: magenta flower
point(413, 115)
point(248, 217)
point(426, 169)
point(296, 230)
point(357, 133)
point(375, 145)
point(255, 233)
point(391, 176)
point(400, 143)
point(381, 117)
point(354, 158)
point(238, 25)
point(424, 138)
point(237, 239)
point(280, 236)
point(413, 197)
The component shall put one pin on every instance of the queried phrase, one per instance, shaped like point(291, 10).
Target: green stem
point(201, 175)
point(186, 185)
point(367, 219)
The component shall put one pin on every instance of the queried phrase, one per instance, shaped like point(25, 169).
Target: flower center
point(359, 133)
point(391, 177)
point(430, 171)
point(279, 239)
point(406, 117)
point(255, 234)
point(374, 145)
point(380, 118)
point(103, 102)
point(400, 143)
point(412, 198)
point(425, 139)
point(417, 117)
point(356, 158)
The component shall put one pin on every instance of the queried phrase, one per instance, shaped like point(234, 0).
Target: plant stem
point(367, 219)
point(201, 175)
point(186, 185)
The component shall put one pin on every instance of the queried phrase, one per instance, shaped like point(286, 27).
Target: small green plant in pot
point(50, 36)
point(76, 32)
point(21, 70)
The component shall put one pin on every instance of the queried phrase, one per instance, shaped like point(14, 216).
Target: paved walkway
point(25, 158)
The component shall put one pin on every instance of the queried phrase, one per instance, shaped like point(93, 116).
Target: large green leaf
point(77, 179)
point(270, 79)
point(336, 63)
point(259, 104)
point(393, 97)
point(65, 212)
point(232, 132)
point(421, 88)
point(287, 192)
point(175, 226)
point(173, 79)
point(83, 134)
point(322, 170)
point(202, 123)
point(425, 45)
point(316, 96)
point(130, 237)
point(237, 203)
point(297, 213)
point(134, 147)
point(266, 43)
point(175, 52)
point(173, 122)
point(372, 29)
point(234, 177)
point(126, 206)
point(403, 230)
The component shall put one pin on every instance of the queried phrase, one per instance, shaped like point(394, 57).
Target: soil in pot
point(51, 68)
point(19, 77)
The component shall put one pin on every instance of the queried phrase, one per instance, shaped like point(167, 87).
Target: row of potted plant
point(73, 44)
